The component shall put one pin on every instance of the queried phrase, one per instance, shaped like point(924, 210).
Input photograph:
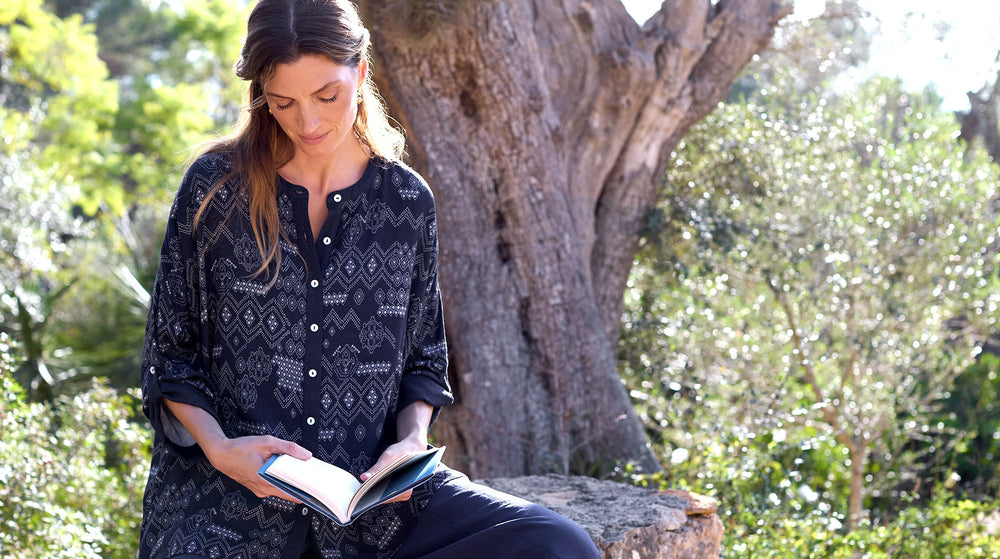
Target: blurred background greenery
point(807, 331)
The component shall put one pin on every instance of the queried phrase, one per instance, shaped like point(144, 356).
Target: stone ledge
point(627, 522)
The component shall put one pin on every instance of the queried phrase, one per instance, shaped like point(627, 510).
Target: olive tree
point(543, 128)
point(836, 257)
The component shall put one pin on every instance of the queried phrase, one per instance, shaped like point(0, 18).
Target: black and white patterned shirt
point(350, 332)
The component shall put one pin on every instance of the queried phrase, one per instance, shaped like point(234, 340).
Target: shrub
point(943, 527)
point(72, 472)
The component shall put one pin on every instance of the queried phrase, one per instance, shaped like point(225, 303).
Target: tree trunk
point(543, 128)
point(858, 453)
point(981, 121)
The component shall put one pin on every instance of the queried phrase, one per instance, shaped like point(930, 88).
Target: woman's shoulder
point(200, 178)
point(206, 170)
point(204, 173)
point(400, 179)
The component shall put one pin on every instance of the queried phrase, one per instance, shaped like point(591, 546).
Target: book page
point(395, 478)
point(330, 485)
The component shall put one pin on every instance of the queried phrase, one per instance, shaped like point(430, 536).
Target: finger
point(367, 475)
point(382, 461)
point(401, 497)
point(280, 446)
point(263, 488)
point(376, 468)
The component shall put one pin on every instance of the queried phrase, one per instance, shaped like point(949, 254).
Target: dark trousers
point(465, 520)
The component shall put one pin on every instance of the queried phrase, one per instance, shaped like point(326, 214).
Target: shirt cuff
point(163, 420)
point(424, 387)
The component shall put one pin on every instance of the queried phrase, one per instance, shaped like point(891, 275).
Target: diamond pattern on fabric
point(322, 350)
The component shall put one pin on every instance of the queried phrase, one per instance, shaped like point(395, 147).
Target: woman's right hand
point(238, 458)
point(242, 457)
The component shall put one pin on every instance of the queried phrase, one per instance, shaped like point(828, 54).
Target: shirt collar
point(349, 193)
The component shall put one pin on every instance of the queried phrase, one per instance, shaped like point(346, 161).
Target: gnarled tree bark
point(544, 126)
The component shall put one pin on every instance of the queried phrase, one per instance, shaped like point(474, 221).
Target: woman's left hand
point(411, 424)
point(394, 451)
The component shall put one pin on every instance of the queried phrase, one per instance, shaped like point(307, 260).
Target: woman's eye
point(328, 99)
point(283, 107)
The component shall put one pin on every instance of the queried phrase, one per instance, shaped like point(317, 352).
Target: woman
point(296, 310)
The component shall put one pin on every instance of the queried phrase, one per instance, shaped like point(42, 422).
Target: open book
point(337, 494)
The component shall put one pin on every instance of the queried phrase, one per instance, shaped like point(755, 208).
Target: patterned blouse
point(350, 332)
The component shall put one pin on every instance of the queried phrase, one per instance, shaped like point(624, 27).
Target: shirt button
point(314, 283)
point(314, 327)
point(310, 420)
point(312, 373)
point(336, 197)
point(305, 511)
point(326, 240)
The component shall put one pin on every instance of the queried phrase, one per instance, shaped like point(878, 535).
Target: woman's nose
point(309, 119)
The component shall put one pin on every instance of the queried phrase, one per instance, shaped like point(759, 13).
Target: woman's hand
point(242, 457)
point(238, 458)
point(394, 451)
point(411, 424)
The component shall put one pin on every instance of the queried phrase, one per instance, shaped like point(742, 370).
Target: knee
point(557, 537)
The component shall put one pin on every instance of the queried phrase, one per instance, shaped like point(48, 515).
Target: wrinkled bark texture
point(543, 127)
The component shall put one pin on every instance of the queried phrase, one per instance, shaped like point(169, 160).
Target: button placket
point(313, 319)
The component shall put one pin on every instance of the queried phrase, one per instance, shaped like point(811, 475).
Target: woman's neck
point(320, 176)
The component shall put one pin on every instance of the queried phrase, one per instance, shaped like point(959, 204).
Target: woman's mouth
point(313, 140)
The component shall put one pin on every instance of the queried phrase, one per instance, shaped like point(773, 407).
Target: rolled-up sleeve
point(173, 358)
point(425, 367)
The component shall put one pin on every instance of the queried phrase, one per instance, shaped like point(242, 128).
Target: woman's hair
point(280, 32)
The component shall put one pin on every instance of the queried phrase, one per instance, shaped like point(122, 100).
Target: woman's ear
point(362, 71)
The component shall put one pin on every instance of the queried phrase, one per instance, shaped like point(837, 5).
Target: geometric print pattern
point(322, 350)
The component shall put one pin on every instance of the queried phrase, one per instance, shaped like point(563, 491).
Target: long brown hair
point(279, 32)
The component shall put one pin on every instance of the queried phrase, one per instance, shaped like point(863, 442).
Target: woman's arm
point(412, 423)
point(238, 458)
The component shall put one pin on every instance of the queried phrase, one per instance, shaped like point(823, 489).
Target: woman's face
point(315, 102)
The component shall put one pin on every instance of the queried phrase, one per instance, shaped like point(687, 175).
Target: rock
point(627, 522)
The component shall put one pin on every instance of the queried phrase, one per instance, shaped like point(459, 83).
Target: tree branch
point(699, 50)
point(829, 413)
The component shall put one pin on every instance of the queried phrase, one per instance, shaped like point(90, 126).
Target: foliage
point(101, 102)
point(59, 104)
point(820, 49)
point(119, 140)
point(973, 410)
point(942, 528)
point(821, 271)
point(769, 508)
point(36, 232)
point(71, 472)
point(70, 300)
